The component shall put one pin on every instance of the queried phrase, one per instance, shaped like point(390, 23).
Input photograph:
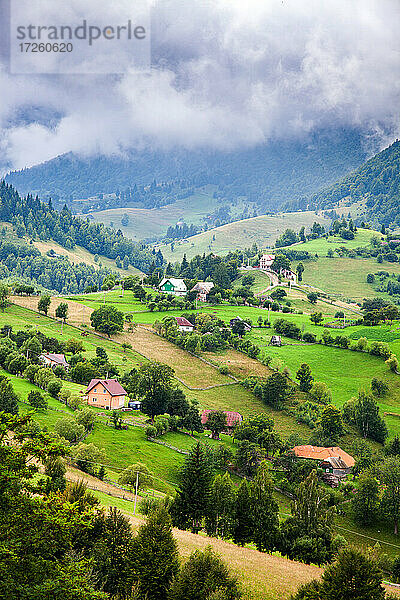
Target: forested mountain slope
point(377, 181)
point(271, 174)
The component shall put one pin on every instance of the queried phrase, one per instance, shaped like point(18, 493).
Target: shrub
point(224, 370)
point(310, 338)
point(36, 399)
point(151, 432)
point(54, 387)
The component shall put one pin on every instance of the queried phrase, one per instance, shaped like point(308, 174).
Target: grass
point(321, 246)
point(263, 231)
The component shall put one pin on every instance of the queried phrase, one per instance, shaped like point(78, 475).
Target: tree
point(260, 430)
point(243, 528)
point(305, 377)
point(192, 499)
point(264, 510)
point(352, 577)
point(316, 318)
point(117, 420)
point(44, 303)
point(129, 475)
point(389, 475)
point(37, 400)
point(54, 387)
point(275, 390)
point(220, 513)
point(62, 311)
point(8, 398)
point(216, 422)
point(55, 471)
point(331, 422)
point(86, 456)
point(112, 553)
point(278, 294)
point(378, 387)
point(69, 429)
point(192, 419)
point(367, 418)
point(312, 297)
point(307, 534)
point(4, 293)
point(155, 556)
point(248, 457)
point(86, 417)
point(107, 319)
point(321, 393)
point(154, 387)
point(365, 503)
point(202, 577)
point(300, 271)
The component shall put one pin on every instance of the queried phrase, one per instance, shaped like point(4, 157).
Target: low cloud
point(225, 74)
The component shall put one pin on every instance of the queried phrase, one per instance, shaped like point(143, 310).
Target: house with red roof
point(232, 419)
point(105, 393)
point(333, 460)
point(266, 261)
point(184, 325)
point(54, 360)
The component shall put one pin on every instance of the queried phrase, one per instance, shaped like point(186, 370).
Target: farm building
point(176, 287)
point(184, 325)
point(105, 393)
point(333, 460)
point(232, 418)
point(54, 360)
point(202, 288)
point(247, 327)
point(275, 340)
point(266, 261)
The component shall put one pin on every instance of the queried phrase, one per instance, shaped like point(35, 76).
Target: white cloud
point(226, 74)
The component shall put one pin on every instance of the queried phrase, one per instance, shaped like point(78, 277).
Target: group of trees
point(60, 541)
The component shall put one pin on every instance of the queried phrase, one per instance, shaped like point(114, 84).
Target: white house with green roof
point(173, 286)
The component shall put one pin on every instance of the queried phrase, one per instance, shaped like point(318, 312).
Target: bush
point(36, 399)
point(311, 338)
point(224, 370)
point(54, 387)
point(151, 432)
point(149, 505)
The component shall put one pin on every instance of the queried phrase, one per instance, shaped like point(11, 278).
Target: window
point(94, 399)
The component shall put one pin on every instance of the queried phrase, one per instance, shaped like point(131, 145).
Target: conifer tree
point(192, 500)
point(220, 512)
point(243, 529)
point(155, 556)
point(305, 377)
point(8, 398)
point(264, 510)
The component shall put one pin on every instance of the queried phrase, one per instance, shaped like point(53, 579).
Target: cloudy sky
point(225, 74)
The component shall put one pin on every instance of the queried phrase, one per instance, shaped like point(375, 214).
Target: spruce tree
point(243, 529)
point(192, 500)
point(264, 510)
point(305, 377)
point(220, 512)
point(155, 556)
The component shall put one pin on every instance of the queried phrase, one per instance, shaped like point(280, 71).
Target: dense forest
point(377, 181)
point(35, 219)
point(268, 174)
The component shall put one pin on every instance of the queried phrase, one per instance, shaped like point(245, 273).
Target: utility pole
point(136, 491)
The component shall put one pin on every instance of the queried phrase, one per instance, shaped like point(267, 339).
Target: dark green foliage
point(44, 303)
point(37, 400)
point(312, 297)
point(107, 319)
point(389, 475)
point(260, 430)
point(155, 556)
point(216, 422)
point(55, 470)
point(220, 515)
point(365, 502)
point(378, 387)
point(243, 528)
point(392, 448)
point(287, 328)
point(192, 499)
point(275, 390)
point(153, 384)
point(363, 413)
point(8, 398)
point(331, 422)
point(264, 511)
point(203, 575)
point(62, 311)
point(305, 377)
point(54, 387)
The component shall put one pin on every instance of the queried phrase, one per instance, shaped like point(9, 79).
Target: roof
point(231, 417)
point(336, 463)
point(178, 284)
point(203, 286)
point(182, 322)
point(319, 453)
point(112, 386)
point(268, 257)
point(57, 358)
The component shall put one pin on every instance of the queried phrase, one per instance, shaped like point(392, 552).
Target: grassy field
point(263, 231)
point(321, 246)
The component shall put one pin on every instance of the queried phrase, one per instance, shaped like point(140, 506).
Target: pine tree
point(155, 556)
point(192, 500)
point(264, 510)
point(243, 530)
point(305, 377)
point(220, 511)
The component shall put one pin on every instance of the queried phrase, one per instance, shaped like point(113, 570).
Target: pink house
point(106, 393)
point(266, 261)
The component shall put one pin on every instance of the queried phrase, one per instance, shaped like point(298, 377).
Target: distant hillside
point(268, 175)
point(263, 231)
point(377, 182)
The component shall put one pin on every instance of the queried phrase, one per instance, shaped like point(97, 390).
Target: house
point(176, 287)
point(54, 360)
point(184, 325)
point(333, 460)
point(202, 288)
point(105, 393)
point(275, 340)
point(266, 261)
point(287, 274)
point(232, 419)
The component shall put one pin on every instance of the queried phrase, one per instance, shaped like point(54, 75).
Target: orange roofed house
point(333, 460)
point(106, 393)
